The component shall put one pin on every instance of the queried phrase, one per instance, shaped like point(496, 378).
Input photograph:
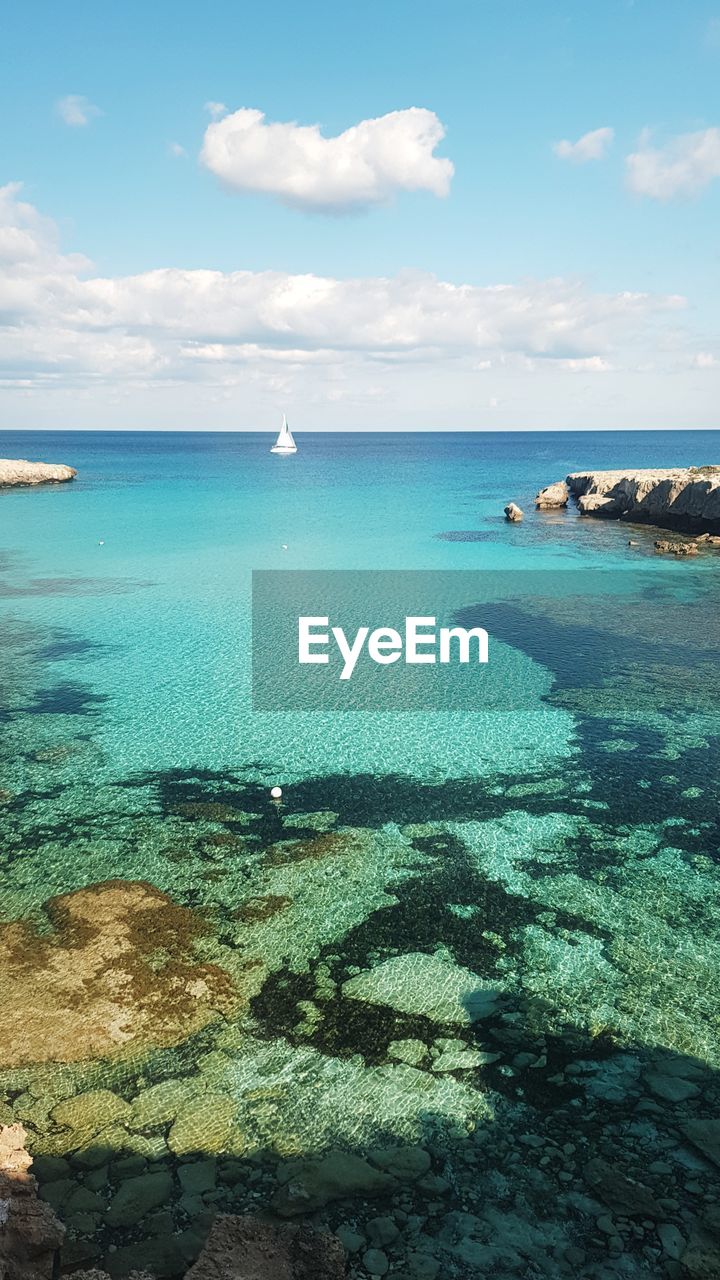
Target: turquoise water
point(564, 854)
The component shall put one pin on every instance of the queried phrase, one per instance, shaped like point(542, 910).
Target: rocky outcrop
point(247, 1248)
point(30, 1234)
point(667, 546)
point(17, 471)
point(513, 512)
point(552, 496)
point(684, 498)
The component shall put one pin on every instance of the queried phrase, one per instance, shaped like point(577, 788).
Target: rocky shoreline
point(18, 472)
point(619, 1180)
point(683, 498)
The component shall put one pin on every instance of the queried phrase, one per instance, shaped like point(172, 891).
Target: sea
point(561, 855)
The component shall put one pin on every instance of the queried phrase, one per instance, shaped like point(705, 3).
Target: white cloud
point(685, 166)
point(76, 110)
point(705, 360)
point(587, 364)
point(591, 146)
point(183, 340)
point(175, 149)
point(216, 109)
point(366, 165)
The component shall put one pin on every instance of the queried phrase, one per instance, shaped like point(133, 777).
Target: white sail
point(284, 442)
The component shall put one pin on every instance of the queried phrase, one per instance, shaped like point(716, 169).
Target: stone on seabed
point(425, 985)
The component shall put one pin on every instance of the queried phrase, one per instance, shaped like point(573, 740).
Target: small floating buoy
point(284, 546)
point(101, 543)
point(276, 793)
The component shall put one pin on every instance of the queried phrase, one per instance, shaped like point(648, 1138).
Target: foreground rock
point(683, 498)
point(16, 471)
point(513, 512)
point(246, 1248)
point(30, 1234)
point(552, 496)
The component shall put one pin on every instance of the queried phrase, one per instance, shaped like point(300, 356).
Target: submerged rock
point(205, 1124)
point(620, 1192)
point(30, 1234)
point(247, 1248)
point(705, 1135)
point(425, 985)
point(671, 1088)
point(17, 471)
point(90, 1112)
point(405, 1163)
point(158, 1105)
point(138, 1196)
point(309, 1185)
point(411, 1052)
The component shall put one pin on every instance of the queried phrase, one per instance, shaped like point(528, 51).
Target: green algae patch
point(257, 910)
point(119, 968)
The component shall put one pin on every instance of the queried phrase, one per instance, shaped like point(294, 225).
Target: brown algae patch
point(330, 844)
point(119, 967)
point(258, 910)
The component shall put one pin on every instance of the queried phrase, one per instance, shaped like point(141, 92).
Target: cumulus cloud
point(76, 110)
point(62, 325)
point(364, 166)
point(591, 146)
point(684, 167)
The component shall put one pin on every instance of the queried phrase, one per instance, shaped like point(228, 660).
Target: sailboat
point(284, 442)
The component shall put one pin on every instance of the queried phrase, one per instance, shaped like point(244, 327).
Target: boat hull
point(280, 448)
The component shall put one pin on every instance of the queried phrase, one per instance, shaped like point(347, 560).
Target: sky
point(491, 215)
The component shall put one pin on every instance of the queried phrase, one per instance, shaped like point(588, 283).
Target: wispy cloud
point(684, 167)
point(76, 110)
point(364, 166)
point(175, 149)
point(591, 146)
point(216, 109)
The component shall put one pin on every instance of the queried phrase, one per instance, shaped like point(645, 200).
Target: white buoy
point(101, 543)
point(284, 546)
point(276, 793)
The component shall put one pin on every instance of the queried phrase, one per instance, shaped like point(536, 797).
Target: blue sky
point(506, 81)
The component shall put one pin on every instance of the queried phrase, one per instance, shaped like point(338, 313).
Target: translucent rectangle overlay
point(547, 633)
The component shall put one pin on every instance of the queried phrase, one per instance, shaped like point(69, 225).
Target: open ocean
point(566, 853)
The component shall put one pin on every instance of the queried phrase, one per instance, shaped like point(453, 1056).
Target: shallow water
point(565, 853)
